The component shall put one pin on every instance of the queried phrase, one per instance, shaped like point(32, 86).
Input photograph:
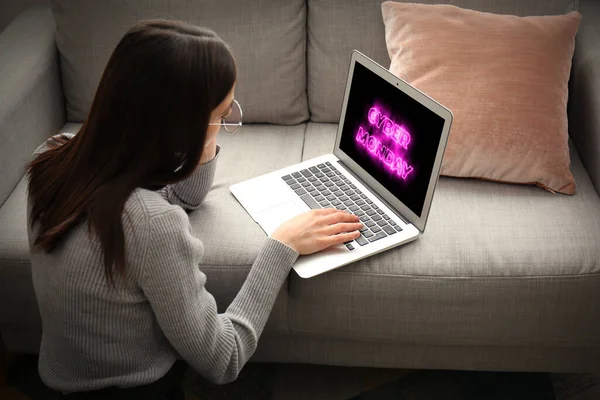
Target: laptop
point(384, 168)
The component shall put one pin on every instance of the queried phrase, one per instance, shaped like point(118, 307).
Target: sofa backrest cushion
point(267, 38)
point(336, 27)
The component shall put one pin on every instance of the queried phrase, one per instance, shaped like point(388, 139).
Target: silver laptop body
point(384, 168)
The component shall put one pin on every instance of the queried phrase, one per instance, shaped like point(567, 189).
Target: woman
point(115, 266)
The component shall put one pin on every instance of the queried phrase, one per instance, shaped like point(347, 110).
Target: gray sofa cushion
point(230, 238)
point(268, 39)
point(19, 313)
point(499, 264)
point(31, 104)
point(336, 27)
point(381, 354)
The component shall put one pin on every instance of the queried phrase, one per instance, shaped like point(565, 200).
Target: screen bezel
point(418, 221)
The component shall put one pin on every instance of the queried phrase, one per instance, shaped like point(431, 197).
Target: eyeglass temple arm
point(225, 124)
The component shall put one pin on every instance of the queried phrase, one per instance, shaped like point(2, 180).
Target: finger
point(341, 238)
point(342, 228)
point(340, 216)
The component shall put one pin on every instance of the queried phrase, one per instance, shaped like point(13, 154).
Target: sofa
point(506, 277)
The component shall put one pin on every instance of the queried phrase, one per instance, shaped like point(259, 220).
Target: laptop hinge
point(373, 192)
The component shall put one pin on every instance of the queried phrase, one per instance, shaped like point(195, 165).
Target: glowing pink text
point(391, 160)
point(389, 127)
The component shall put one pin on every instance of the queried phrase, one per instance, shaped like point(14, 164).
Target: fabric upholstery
point(326, 351)
point(497, 265)
point(267, 38)
point(584, 102)
point(336, 27)
point(503, 77)
point(31, 105)
point(19, 313)
point(230, 237)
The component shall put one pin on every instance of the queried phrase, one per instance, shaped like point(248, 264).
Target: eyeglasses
point(233, 120)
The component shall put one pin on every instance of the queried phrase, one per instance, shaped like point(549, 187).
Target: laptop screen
point(391, 136)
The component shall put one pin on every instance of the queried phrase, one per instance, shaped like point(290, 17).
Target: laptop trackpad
point(271, 218)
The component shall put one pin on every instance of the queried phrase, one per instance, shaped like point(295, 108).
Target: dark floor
point(293, 381)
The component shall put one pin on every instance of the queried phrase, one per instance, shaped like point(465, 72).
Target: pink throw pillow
point(505, 79)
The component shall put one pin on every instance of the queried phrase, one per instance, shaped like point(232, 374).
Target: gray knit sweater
point(95, 336)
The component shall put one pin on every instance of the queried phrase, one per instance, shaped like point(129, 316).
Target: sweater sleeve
point(215, 345)
point(190, 192)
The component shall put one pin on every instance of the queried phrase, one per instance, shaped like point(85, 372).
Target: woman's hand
point(316, 230)
point(210, 147)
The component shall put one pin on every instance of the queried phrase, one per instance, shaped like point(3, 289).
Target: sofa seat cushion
point(231, 239)
point(498, 264)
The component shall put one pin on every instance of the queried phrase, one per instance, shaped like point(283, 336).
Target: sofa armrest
point(31, 101)
point(584, 101)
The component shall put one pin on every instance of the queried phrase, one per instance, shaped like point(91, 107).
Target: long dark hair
point(146, 128)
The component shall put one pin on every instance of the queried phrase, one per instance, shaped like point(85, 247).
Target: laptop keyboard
point(324, 186)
